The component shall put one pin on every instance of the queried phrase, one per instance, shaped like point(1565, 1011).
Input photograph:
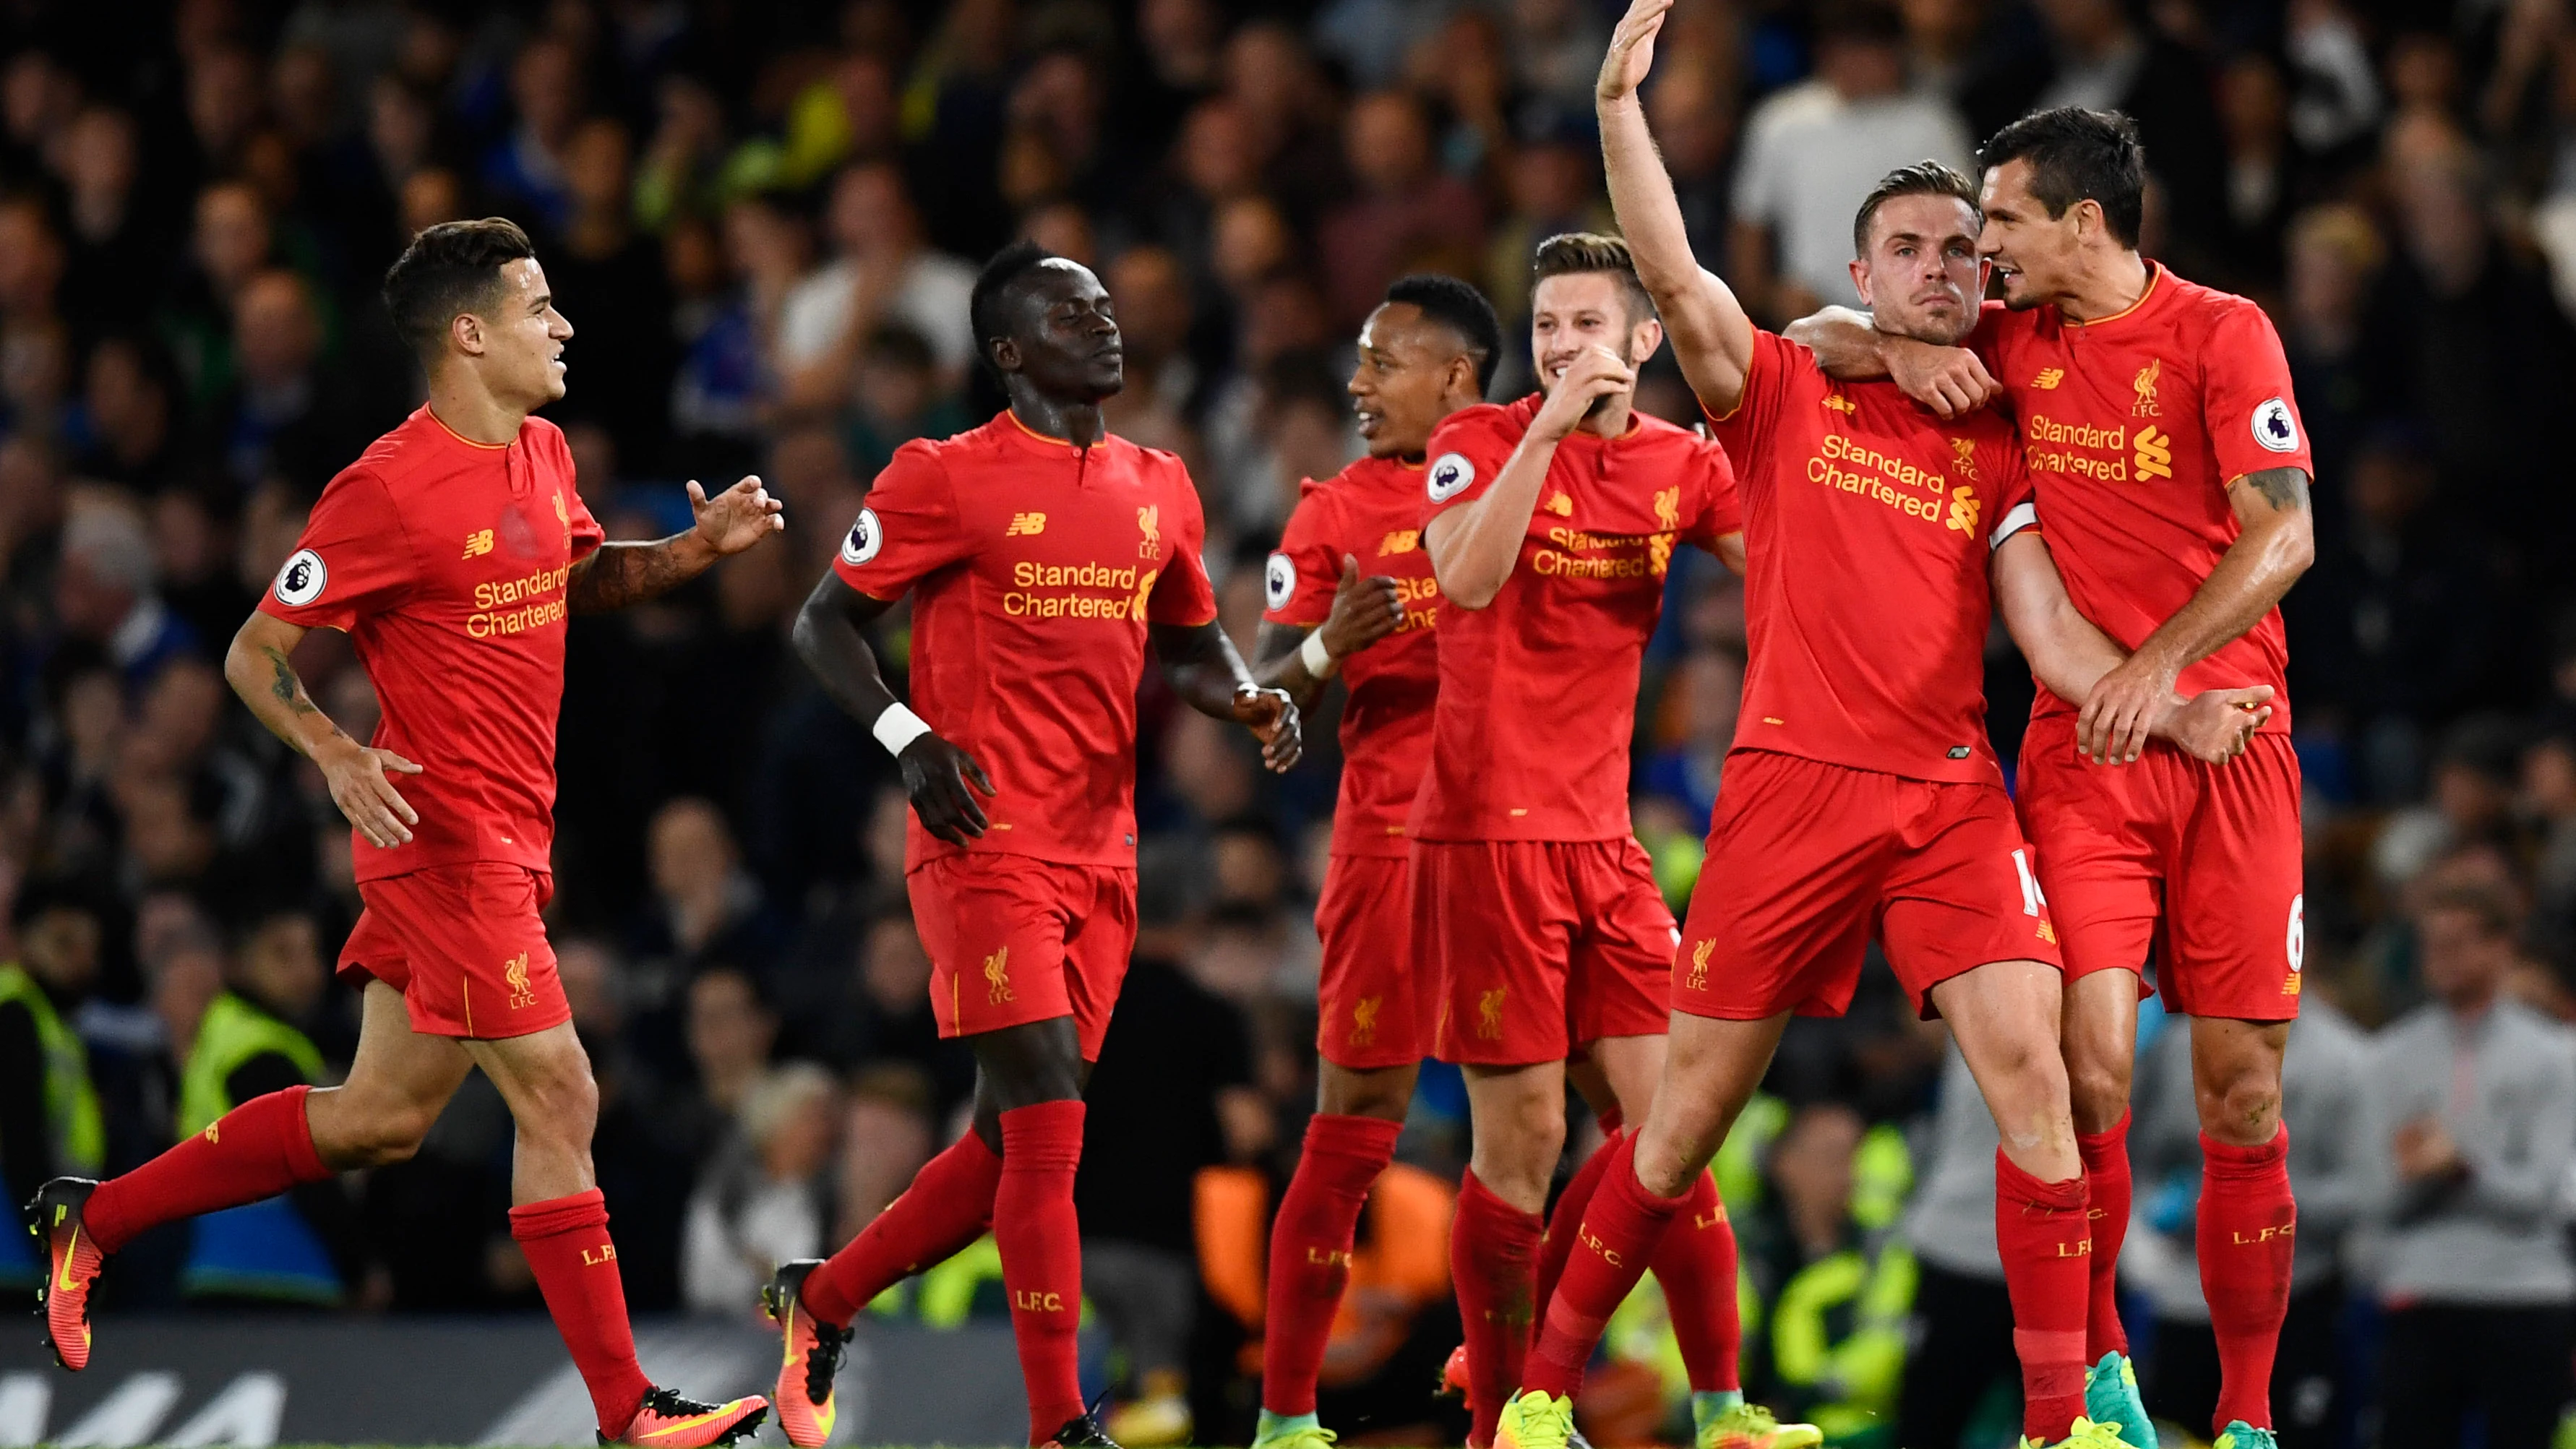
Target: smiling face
point(2038, 256)
point(1921, 276)
point(1063, 337)
point(1401, 389)
point(517, 337)
point(1577, 311)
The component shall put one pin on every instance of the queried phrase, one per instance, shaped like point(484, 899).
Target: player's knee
point(2240, 1102)
point(564, 1106)
point(384, 1133)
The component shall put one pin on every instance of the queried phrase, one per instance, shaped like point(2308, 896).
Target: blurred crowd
point(763, 220)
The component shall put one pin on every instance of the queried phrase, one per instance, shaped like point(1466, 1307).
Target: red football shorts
point(2201, 863)
point(1014, 939)
point(464, 946)
point(1540, 946)
point(1808, 862)
point(1376, 1003)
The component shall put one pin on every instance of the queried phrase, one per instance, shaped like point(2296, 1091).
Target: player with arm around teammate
point(1045, 556)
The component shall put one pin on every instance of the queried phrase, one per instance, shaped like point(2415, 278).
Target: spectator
point(881, 271)
point(610, 282)
point(105, 594)
point(1407, 216)
point(2474, 1117)
point(764, 1199)
point(133, 405)
point(1811, 149)
point(730, 1033)
point(527, 166)
point(901, 395)
point(286, 414)
point(1837, 1294)
point(2325, 1086)
point(49, 1110)
point(231, 244)
point(113, 246)
point(708, 908)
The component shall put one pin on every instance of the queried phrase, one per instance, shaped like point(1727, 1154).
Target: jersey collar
point(2155, 287)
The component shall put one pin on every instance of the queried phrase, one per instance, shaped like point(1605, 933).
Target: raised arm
point(2070, 656)
point(1951, 381)
point(2275, 544)
point(1711, 335)
point(831, 637)
point(1204, 669)
point(256, 666)
point(615, 575)
point(1299, 660)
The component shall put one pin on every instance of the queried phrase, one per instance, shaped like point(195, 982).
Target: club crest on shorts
point(1451, 474)
point(1279, 581)
point(302, 580)
point(2274, 428)
point(866, 537)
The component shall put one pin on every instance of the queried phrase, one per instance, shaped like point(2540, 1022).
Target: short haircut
point(1923, 178)
point(449, 269)
point(984, 306)
point(1860, 22)
point(1575, 253)
point(2490, 903)
point(1462, 309)
point(2076, 153)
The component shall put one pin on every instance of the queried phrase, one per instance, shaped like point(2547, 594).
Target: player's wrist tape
point(1318, 660)
point(897, 727)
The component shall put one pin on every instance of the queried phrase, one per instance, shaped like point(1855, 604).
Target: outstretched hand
point(1272, 717)
point(1365, 610)
point(936, 775)
point(1632, 50)
point(738, 517)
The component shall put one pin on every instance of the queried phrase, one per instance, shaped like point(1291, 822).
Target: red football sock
point(1310, 1251)
point(1492, 1251)
point(2106, 1180)
point(1041, 1244)
point(2245, 1237)
point(1558, 1245)
point(566, 1243)
point(2044, 1235)
point(948, 1205)
point(1695, 1266)
point(1619, 1237)
point(257, 1150)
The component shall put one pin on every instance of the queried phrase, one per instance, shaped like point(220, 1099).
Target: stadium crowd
point(763, 221)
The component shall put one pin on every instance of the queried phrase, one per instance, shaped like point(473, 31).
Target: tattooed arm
point(615, 575)
point(2275, 544)
point(257, 668)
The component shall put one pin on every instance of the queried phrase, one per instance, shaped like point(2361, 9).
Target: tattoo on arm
point(289, 689)
point(2286, 489)
point(618, 574)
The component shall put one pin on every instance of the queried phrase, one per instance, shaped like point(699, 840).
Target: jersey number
point(2031, 899)
point(2298, 942)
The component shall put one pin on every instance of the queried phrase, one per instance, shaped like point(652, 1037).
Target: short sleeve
point(353, 561)
point(1306, 568)
point(1182, 592)
point(908, 530)
point(1986, 339)
point(1467, 451)
point(2245, 397)
point(1720, 510)
point(2016, 500)
point(1767, 374)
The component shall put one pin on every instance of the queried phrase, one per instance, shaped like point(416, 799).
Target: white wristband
point(898, 727)
point(1318, 660)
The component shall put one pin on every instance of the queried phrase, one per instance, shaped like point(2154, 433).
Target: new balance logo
point(2048, 378)
point(1403, 540)
point(1841, 404)
point(2155, 453)
point(1560, 505)
point(1025, 525)
point(478, 543)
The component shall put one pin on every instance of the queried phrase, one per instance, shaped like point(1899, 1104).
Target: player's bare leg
point(561, 1224)
point(1359, 1112)
point(2247, 1217)
point(397, 1085)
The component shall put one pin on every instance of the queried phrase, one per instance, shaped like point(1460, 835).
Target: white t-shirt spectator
point(931, 301)
point(1810, 156)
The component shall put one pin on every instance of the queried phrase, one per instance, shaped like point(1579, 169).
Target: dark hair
point(1575, 253)
point(1859, 22)
point(450, 268)
point(2075, 154)
point(1923, 178)
point(1462, 309)
point(2490, 903)
point(902, 345)
point(984, 305)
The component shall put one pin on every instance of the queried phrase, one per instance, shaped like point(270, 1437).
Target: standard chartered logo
point(2155, 453)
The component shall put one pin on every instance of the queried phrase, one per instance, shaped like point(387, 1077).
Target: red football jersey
point(2134, 425)
point(1371, 511)
point(1538, 690)
point(1868, 526)
point(1036, 566)
point(445, 563)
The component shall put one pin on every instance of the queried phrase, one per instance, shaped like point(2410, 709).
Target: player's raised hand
point(1271, 716)
point(1632, 50)
point(356, 775)
point(2121, 712)
point(2215, 725)
point(937, 775)
point(738, 517)
point(1596, 373)
point(1364, 611)
point(1951, 381)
